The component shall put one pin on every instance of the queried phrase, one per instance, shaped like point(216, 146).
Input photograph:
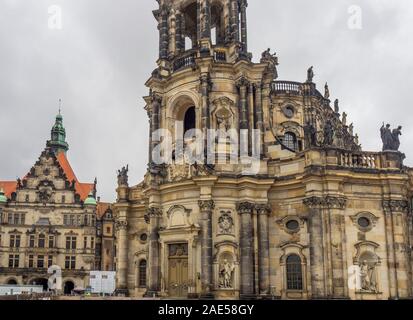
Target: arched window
point(294, 273)
point(142, 274)
point(290, 141)
point(189, 120)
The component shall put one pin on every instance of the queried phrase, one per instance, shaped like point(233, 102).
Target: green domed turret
point(58, 136)
point(90, 200)
point(3, 198)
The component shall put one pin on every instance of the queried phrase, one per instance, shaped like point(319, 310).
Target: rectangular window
point(18, 238)
point(85, 242)
point(12, 241)
point(10, 218)
point(49, 261)
point(70, 243)
point(14, 261)
point(31, 241)
point(63, 199)
point(22, 219)
point(42, 240)
point(51, 241)
point(16, 218)
point(70, 262)
point(72, 220)
point(92, 242)
point(79, 220)
point(66, 220)
point(40, 261)
point(31, 258)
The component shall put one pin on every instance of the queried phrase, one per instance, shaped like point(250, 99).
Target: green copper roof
point(58, 136)
point(3, 198)
point(90, 200)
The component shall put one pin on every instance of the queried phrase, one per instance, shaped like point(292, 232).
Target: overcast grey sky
point(98, 63)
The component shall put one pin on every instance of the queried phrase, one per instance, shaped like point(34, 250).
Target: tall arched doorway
point(68, 288)
point(12, 282)
point(189, 119)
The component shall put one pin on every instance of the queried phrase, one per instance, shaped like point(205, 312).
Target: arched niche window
point(294, 273)
point(189, 119)
point(142, 274)
point(290, 141)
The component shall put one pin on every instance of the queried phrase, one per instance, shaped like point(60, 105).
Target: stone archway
point(68, 287)
point(12, 281)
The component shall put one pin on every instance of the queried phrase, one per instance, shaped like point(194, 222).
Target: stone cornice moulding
point(326, 202)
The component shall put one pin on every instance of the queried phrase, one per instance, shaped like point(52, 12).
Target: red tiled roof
point(102, 208)
point(83, 189)
point(8, 187)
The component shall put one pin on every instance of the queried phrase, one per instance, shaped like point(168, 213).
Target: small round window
point(288, 111)
point(143, 237)
point(292, 225)
point(363, 222)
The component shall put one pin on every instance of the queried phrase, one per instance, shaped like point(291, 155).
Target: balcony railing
point(220, 56)
point(184, 62)
point(367, 160)
point(287, 87)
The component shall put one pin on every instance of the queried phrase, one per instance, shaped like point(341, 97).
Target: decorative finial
point(60, 106)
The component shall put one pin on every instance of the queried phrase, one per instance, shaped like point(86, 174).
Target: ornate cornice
point(242, 82)
point(154, 212)
point(206, 205)
point(396, 206)
point(326, 202)
point(121, 225)
point(245, 207)
point(264, 209)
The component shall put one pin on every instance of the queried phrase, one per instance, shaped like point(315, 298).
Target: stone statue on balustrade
point(310, 74)
point(123, 176)
point(310, 135)
point(272, 60)
point(390, 139)
point(326, 91)
point(328, 133)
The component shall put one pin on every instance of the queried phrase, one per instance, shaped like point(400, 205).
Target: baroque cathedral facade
point(319, 219)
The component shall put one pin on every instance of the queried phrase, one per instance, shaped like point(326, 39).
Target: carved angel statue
point(226, 272)
point(123, 176)
point(344, 119)
point(272, 60)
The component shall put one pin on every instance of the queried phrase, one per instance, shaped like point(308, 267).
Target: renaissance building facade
point(48, 218)
point(304, 213)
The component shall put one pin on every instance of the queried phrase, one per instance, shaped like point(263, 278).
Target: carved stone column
point(263, 212)
point(242, 84)
point(244, 40)
point(336, 206)
point(154, 214)
point(205, 19)
point(205, 120)
point(179, 44)
point(206, 207)
point(155, 121)
point(245, 210)
point(122, 263)
point(250, 115)
point(259, 122)
point(315, 227)
point(235, 20)
point(163, 33)
point(398, 251)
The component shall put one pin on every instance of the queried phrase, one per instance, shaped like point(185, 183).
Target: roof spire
point(58, 134)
